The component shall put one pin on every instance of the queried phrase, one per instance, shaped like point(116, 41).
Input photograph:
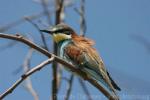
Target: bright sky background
point(120, 28)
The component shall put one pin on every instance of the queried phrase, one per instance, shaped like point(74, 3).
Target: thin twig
point(26, 64)
point(46, 11)
point(30, 89)
point(24, 76)
point(28, 82)
point(20, 21)
point(85, 89)
point(81, 12)
point(70, 81)
point(82, 19)
point(61, 61)
point(37, 27)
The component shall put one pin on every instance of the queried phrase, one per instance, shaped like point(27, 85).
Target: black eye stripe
point(59, 31)
point(65, 31)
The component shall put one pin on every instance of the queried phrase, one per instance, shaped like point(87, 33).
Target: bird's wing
point(88, 58)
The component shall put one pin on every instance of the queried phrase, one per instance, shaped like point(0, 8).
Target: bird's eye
point(67, 32)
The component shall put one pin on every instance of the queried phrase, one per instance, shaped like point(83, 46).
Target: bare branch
point(61, 61)
point(22, 39)
point(59, 9)
point(24, 76)
point(59, 6)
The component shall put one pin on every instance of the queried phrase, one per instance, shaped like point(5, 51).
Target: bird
point(79, 51)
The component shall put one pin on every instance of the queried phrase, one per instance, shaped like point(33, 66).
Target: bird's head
point(60, 32)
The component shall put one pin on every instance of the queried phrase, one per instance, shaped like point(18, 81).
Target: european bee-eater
point(79, 51)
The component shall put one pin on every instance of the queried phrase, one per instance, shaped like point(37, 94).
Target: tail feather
point(98, 77)
point(113, 83)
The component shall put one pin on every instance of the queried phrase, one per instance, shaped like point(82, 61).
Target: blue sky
point(118, 28)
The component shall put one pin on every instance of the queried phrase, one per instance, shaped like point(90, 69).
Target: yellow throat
point(59, 37)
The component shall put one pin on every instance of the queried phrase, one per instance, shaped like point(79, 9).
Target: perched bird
point(79, 51)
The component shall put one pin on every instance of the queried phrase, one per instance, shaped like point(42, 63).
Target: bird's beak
point(47, 31)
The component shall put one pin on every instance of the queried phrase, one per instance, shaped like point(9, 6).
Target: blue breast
point(61, 47)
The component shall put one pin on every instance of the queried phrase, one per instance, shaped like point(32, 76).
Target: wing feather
point(82, 53)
